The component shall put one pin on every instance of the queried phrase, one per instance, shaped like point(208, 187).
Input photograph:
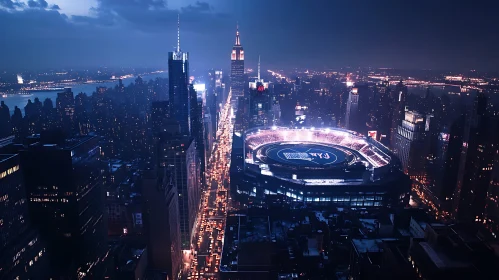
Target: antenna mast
point(178, 32)
point(258, 67)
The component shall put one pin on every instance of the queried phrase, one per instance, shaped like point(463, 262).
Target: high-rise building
point(66, 203)
point(352, 112)
point(259, 102)
point(197, 129)
point(443, 167)
point(161, 218)
point(24, 255)
point(381, 113)
point(411, 144)
point(237, 68)
point(477, 159)
point(398, 110)
point(5, 125)
point(65, 108)
point(178, 154)
point(178, 75)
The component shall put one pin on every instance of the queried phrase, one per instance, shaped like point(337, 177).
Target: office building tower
point(381, 113)
point(66, 202)
point(491, 219)
point(477, 158)
point(443, 166)
point(82, 108)
point(352, 112)
point(259, 102)
point(24, 255)
point(65, 109)
point(197, 129)
point(161, 220)
point(398, 110)
point(411, 144)
point(5, 125)
point(237, 68)
point(178, 154)
point(178, 75)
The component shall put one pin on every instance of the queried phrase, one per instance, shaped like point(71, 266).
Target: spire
point(258, 67)
point(178, 32)
point(238, 43)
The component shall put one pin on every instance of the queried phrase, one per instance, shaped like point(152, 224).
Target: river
point(21, 100)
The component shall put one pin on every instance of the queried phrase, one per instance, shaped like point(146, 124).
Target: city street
point(208, 242)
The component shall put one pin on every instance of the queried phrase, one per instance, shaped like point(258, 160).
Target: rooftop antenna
point(178, 32)
point(238, 42)
point(258, 67)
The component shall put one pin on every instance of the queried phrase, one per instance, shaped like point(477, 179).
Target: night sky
point(424, 34)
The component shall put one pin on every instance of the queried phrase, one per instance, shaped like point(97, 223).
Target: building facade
point(237, 68)
point(66, 203)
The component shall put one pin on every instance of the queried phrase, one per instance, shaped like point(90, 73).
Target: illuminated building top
point(259, 84)
point(237, 50)
point(178, 54)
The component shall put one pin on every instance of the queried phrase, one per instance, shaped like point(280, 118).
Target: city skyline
point(422, 35)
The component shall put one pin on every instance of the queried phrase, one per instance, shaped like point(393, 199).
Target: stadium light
point(274, 127)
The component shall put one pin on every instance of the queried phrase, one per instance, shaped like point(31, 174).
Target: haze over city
point(443, 35)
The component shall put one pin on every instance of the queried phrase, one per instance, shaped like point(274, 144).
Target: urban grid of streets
point(209, 234)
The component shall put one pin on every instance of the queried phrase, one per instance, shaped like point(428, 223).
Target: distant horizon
point(196, 69)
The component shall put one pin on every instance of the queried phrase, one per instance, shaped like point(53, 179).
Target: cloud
point(55, 7)
point(38, 4)
point(11, 4)
point(153, 16)
point(197, 7)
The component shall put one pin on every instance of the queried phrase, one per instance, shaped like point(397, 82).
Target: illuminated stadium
point(320, 166)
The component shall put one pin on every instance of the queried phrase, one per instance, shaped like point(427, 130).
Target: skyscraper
point(237, 68)
point(66, 109)
point(398, 109)
point(178, 75)
point(23, 254)
point(161, 217)
point(411, 144)
point(66, 203)
point(352, 108)
point(179, 156)
point(259, 102)
point(477, 158)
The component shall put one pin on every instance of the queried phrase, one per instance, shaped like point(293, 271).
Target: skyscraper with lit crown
point(178, 75)
point(237, 68)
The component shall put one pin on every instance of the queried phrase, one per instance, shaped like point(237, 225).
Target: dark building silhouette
point(398, 97)
point(357, 109)
point(65, 109)
point(161, 218)
point(411, 144)
point(24, 255)
point(476, 163)
point(237, 68)
point(179, 92)
point(5, 124)
point(381, 113)
point(259, 103)
point(179, 156)
point(66, 202)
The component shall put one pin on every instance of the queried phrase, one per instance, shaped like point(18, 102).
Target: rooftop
point(248, 244)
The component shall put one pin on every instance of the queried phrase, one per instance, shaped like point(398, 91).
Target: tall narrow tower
point(237, 68)
point(178, 75)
